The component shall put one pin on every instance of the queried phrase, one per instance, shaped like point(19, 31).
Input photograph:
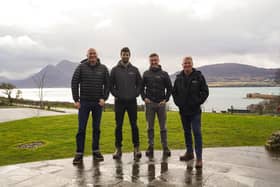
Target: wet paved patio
point(225, 167)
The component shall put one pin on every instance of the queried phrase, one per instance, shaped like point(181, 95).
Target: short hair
point(91, 49)
point(153, 55)
point(188, 58)
point(125, 50)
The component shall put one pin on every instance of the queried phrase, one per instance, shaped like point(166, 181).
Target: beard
point(125, 60)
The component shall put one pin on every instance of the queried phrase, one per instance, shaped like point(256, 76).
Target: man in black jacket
point(125, 83)
point(156, 91)
point(90, 89)
point(189, 92)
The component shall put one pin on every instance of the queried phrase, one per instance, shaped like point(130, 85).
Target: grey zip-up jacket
point(125, 82)
point(93, 81)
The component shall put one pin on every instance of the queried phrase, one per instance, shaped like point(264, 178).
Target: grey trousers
point(153, 109)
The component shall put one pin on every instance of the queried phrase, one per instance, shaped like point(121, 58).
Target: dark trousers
point(131, 107)
point(96, 111)
point(192, 123)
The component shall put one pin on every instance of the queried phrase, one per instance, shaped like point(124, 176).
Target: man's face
point(92, 55)
point(187, 64)
point(125, 56)
point(154, 61)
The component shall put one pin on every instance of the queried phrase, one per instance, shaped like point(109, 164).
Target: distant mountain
point(227, 74)
point(3, 79)
point(56, 76)
point(233, 72)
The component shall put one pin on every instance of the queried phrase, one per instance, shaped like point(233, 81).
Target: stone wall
point(273, 143)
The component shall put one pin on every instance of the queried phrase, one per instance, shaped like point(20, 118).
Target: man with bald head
point(189, 92)
point(90, 90)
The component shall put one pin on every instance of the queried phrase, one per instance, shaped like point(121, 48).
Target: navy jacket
point(189, 92)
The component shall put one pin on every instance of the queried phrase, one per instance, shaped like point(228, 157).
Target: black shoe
point(97, 156)
point(150, 152)
point(78, 159)
point(166, 152)
point(187, 157)
point(118, 153)
point(137, 153)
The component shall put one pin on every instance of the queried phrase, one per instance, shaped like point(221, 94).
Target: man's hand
point(101, 102)
point(147, 100)
point(162, 102)
point(77, 105)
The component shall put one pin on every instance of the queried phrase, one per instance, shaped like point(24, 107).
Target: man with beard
point(125, 86)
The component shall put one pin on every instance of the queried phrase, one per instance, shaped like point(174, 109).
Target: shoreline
point(210, 84)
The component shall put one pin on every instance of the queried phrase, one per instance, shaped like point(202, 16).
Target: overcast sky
point(34, 33)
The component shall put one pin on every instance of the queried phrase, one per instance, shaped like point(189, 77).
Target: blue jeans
point(192, 124)
point(96, 111)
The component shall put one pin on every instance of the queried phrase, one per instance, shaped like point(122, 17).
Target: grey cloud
point(245, 33)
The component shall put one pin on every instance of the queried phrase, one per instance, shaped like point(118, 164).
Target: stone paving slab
point(225, 167)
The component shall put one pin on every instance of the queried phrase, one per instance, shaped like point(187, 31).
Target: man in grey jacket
point(156, 91)
point(90, 89)
point(125, 85)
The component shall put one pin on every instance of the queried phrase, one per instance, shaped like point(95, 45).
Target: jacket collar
point(182, 73)
point(121, 64)
point(86, 60)
point(93, 65)
point(155, 69)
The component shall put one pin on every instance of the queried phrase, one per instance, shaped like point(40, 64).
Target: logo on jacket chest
point(154, 77)
point(98, 73)
point(158, 77)
point(131, 73)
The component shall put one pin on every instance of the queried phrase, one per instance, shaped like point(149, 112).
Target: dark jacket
point(156, 85)
point(93, 81)
point(125, 82)
point(189, 92)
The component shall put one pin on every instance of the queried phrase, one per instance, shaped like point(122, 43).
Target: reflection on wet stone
point(242, 166)
point(188, 177)
point(194, 177)
point(190, 164)
point(164, 167)
point(80, 176)
point(151, 171)
point(135, 171)
point(96, 172)
point(199, 177)
point(119, 169)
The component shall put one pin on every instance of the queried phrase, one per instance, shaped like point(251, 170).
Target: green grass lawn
point(58, 133)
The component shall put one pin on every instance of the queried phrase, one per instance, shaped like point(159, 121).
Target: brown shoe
point(187, 157)
point(198, 164)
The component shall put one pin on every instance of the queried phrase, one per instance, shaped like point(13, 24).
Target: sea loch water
point(219, 99)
